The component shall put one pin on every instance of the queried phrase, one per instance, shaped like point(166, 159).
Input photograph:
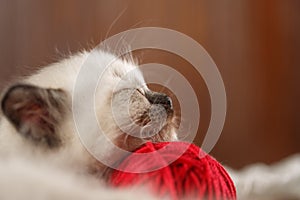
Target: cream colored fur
point(28, 172)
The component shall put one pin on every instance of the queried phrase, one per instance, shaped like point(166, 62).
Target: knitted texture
point(192, 174)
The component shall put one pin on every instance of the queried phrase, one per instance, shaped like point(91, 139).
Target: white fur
point(28, 173)
point(36, 180)
point(263, 182)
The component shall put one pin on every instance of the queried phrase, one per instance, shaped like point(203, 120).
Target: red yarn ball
point(193, 174)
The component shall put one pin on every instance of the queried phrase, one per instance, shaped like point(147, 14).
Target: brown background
point(254, 43)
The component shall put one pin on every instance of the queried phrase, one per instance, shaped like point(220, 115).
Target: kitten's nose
point(167, 102)
point(160, 98)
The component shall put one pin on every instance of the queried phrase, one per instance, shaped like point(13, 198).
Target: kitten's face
point(128, 112)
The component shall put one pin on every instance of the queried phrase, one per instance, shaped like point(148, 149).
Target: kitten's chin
point(167, 134)
point(129, 143)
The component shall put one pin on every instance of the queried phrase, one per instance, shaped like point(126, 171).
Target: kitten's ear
point(35, 112)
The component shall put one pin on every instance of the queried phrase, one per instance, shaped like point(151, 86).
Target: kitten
point(37, 126)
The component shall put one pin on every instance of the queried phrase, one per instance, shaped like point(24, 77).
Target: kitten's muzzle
point(161, 99)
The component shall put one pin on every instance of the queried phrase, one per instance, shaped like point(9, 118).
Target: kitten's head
point(40, 107)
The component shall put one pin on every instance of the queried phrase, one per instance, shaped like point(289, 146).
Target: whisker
point(115, 21)
point(165, 83)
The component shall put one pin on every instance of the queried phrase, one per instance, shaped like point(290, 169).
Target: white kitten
point(41, 153)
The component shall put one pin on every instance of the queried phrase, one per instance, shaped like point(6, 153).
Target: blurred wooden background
point(254, 43)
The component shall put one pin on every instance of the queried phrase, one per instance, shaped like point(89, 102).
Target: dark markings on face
point(161, 99)
point(154, 123)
